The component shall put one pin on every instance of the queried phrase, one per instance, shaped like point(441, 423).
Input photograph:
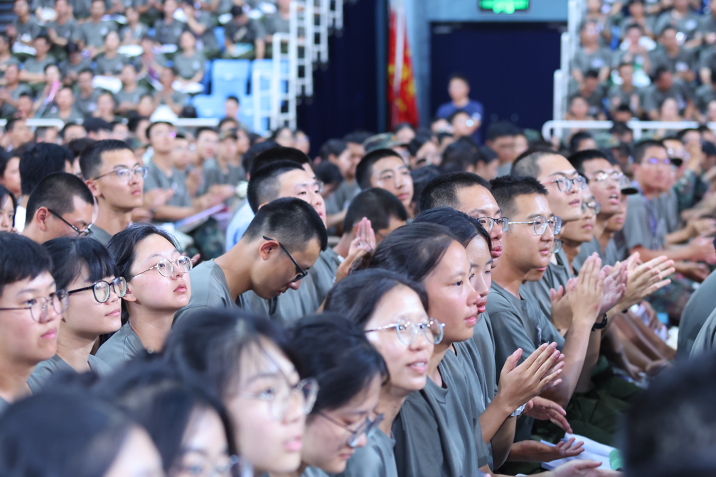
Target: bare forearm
point(590, 360)
point(575, 351)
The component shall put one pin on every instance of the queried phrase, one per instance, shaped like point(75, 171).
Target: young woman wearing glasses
point(86, 270)
point(350, 373)
point(392, 311)
point(157, 286)
point(248, 364)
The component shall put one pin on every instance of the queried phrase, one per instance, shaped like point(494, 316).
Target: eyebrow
point(161, 254)
point(538, 214)
point(564, 173)
point(121, 166)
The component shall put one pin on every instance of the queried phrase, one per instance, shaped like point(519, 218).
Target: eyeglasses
point(592, 204)
point(565, 185)
point(489, 222)
point(300, 272)
point(540, 224)
point(614, 176)
point(654, 161)
point(101, 289)
point(202, 467)
point(80, 233)
point(366, 428)
point(166, 268)
point(408, 331)
point(38, 306)
point(125, 173)
point(557, 246)
point(279, 397)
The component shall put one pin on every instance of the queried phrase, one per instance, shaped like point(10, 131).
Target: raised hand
point(519, 384)
point(646, 278)
point(582, 468)
point(614, 286)
point(586, 299)
point(546, 410)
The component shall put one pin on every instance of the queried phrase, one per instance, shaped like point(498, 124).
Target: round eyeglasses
point(566, 185)
point(38, 306)
point(101, 289)
point(408, 331)
point(592, 204)
point(202, 466)
point(614, 176)
point(166, 268)
point(125, 174)
point(489, 222)
point(540, 224)
point(557, 246)
point(279, 397)
point(366, 428)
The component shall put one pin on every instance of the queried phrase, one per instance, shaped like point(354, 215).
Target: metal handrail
point(638, 127)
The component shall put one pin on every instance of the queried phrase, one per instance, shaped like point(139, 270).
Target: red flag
point(401, 82)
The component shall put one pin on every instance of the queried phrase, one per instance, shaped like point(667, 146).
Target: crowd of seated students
point(412, 303)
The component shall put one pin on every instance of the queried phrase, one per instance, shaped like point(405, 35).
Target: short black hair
point(91, 158)
point(233, 98)
point(669, 429)
point(620, 127)
point(264, 183)
point(337, 353)
point(4, 159)
point(96, 125)
point(462, 225)
point(356, 296)
point(357, 137)
point(579, 158)
point(276, 154)
point(20, 259)
point(5, 194)
point(526, 163)
point(333, 147)
point(421, 178)
point(57, 192)
point(577, 138)
point(293, 222)
point(67, 126)
point(681, 134)
point(660, 71)
point(247, 160)
point(40, 161)
point(226, 120)
point(506, 189)
point(10, 124)
point(70, 255)
point(364, 170)
point(641, 147)
point(204, 129)
point(442, 191)
point(328, 173)
point(376, 204)
point(80, 145)
point(500, 129)
point(594, 74)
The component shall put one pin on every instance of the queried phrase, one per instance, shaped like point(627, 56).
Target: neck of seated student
point(508, 275)
point(35, 233)
point(438, 354)
point(13, 379)
point(152, 326)
point(112, 219)
point(75, 349)
point(571, 250)
point(389, 403)
point(163, 161)
point(236, 265)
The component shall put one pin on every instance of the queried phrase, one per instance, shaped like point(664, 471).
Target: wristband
point(518, 411)
point(600, 325)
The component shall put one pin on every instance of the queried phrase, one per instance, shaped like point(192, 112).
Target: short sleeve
point(637, 226)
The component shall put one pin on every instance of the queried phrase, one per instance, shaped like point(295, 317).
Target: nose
point(496, 232)
point(296, 408)
point(481, 285)
point(399, 181)
point(548, 235)
point(473, 296)
point(294, 285)
point(362, 441)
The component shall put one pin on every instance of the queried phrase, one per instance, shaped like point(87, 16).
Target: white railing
point(569, 43)
point(638, 127)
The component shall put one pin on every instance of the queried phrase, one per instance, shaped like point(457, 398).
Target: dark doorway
point(510, 67)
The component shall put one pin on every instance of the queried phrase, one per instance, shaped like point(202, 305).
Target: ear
point(355, 229)
point(93, 187)
point(129, 296)
point(41, 216)
point(267, 248)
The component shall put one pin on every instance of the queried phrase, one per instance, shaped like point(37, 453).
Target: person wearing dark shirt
point(459, 91)
point(244, 36)
point(663, 87)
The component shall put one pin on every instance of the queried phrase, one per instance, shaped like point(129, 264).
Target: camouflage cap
point(381, 141)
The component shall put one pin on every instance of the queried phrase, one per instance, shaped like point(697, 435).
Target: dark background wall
point(510, 67)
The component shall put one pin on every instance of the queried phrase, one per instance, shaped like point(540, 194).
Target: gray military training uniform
point(120, 348)
point(695, 315)
point(100, 235)
point(45, 369)
point(209, 289)
point(376, 459)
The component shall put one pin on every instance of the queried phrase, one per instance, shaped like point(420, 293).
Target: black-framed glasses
point(566, 185)
point(614, 176)
point(279, 397)
point(38, 306)
point(540, 224)
point(166, 267)
point(592, 204)
point(101, 289)
point(366, 428)
point(80, 233)
point(300, 272)
point(125, 173)
point(489, 222)
point(408, 331)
